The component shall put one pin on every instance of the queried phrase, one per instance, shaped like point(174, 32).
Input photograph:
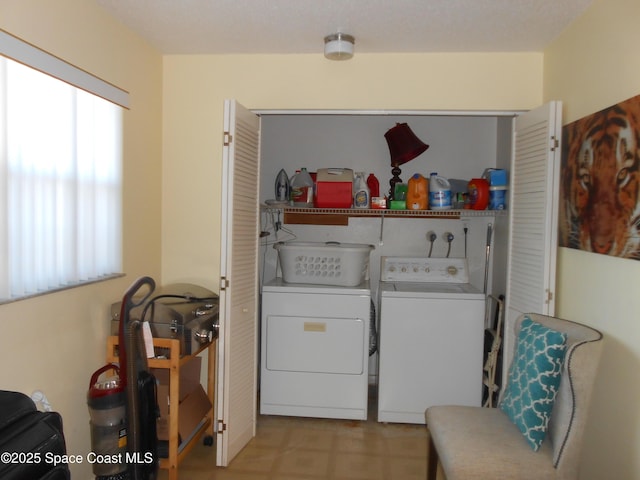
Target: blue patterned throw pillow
point(534, 378)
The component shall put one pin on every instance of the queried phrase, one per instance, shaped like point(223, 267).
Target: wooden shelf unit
point(177, 452)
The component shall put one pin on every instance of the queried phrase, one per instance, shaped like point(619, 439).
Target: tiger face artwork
point(600, 182)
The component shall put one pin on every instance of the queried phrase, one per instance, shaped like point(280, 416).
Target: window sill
point(60, 289)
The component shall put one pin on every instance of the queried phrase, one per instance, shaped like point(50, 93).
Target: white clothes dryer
point(431, 337)
point(314, 350)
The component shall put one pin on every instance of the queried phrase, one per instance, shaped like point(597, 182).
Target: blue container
point(497, 198)
point(496, 177)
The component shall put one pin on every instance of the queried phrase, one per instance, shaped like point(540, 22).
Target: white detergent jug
point(302, 189)
point(439, 192)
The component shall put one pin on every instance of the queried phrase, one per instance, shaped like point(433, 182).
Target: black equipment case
point(30, 441)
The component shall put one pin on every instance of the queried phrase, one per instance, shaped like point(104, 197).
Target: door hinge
point(227, 138)
point(549, 296)
point(224, 283)
point(221, 426)
point(554, 143)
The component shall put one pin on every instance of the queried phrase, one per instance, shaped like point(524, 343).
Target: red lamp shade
point(403, 144)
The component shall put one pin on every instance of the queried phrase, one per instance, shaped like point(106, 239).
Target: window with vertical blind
point(60, 173)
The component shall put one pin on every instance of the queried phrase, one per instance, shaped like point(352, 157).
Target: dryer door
point(315, 344)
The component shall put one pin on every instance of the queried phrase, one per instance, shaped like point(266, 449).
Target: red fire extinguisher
point(107, 403)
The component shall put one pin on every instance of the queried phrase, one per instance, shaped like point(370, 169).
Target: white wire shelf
point(340, 216)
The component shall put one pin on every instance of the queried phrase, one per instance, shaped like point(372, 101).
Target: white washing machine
point(431, 337)
point(314, 350)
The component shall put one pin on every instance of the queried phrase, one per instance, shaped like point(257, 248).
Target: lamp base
point(395, 171)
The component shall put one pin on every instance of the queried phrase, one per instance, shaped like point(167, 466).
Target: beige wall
point(54, 342)
point(593, 65)
point(196, 86)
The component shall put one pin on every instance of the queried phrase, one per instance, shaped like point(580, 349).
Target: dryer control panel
point(424, 269)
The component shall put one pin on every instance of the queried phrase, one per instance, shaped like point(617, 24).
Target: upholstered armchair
point(491, 443)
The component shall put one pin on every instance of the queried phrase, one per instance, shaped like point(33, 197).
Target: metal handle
point(487, 256)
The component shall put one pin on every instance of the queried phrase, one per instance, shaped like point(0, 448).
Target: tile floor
point(296, 448)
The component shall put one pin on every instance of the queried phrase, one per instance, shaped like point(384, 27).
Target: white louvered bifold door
point(533, 216)
point(237, 341)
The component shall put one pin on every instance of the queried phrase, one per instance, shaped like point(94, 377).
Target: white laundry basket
point(330, 263)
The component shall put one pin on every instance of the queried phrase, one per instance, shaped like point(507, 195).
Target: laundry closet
point(461, 147)
point(502, 250)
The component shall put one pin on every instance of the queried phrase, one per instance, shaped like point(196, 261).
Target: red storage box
point(334, 188)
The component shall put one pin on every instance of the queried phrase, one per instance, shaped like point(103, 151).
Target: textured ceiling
point(299, 26)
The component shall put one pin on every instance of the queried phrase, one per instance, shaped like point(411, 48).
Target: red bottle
point(374, 185)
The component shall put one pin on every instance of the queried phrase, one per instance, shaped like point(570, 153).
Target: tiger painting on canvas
point(600, 182)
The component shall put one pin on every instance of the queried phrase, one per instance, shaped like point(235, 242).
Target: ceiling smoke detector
point(339, 46)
